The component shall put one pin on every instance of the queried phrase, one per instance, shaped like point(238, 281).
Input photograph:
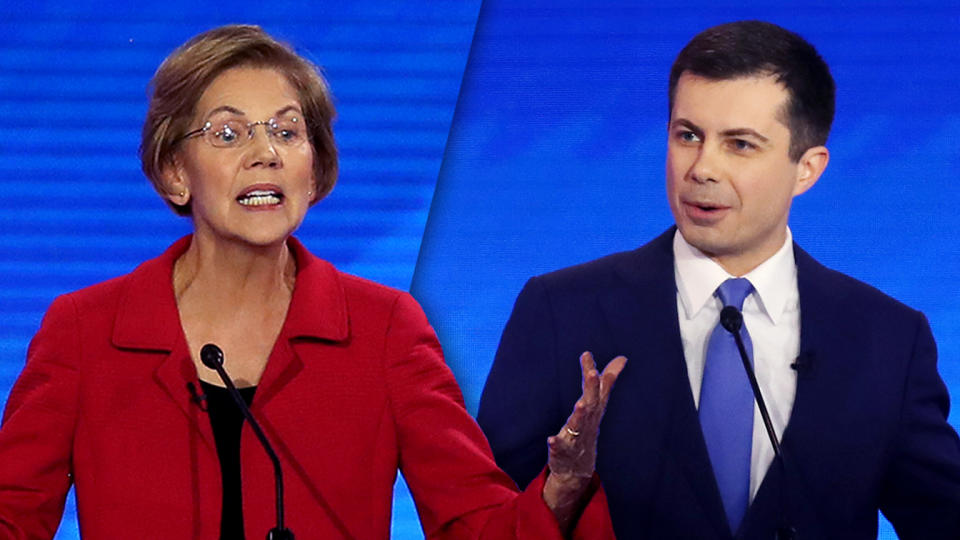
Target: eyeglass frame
point(270, 124)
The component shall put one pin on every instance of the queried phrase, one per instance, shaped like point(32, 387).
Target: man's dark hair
point(749, 48)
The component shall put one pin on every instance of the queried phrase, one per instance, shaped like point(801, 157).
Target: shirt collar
point(774, 280)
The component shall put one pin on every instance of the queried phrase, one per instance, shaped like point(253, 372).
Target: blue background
point(558, 147)
point(555, 154)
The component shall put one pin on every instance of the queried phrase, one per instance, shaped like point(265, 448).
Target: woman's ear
point(176, 187)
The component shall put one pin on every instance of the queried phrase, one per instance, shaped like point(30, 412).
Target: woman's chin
point(255, 238)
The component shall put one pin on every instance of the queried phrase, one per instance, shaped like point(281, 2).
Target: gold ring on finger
point(572, 433)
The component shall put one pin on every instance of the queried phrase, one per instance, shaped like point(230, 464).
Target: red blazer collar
point(147, 317)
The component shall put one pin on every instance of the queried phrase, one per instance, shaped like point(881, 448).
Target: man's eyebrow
point(683, 122)
point(734, 132)
point(740, 132)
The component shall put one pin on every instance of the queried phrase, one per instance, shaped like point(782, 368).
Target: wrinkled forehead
point(227, 113)
point(254, 93)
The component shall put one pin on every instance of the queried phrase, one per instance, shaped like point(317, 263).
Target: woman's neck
point(237, 296)
point(230, 275)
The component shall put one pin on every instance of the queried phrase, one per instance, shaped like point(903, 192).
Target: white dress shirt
point(771, 314)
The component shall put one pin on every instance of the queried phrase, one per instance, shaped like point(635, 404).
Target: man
point(848, 374)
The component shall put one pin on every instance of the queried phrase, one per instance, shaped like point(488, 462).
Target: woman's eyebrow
point(226, 108)
point(287, 109)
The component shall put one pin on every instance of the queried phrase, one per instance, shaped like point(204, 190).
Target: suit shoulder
point(98, 295)
point(376, 297)
point(363, 288)
point(318, 276)
point(650, 259)
point(850, 294)
point(156, 273)
point(591, 274)
point(874, 297)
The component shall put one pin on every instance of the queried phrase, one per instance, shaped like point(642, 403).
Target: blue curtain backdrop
point(558, 146)
point(72, 100)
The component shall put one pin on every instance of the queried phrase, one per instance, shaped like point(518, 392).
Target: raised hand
point(573, 450)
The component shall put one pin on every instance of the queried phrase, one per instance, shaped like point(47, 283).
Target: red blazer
point(354, 389)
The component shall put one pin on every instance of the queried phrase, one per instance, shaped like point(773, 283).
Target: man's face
point(730, 180)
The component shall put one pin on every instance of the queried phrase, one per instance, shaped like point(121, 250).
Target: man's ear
point(809, 168)
point(175, 183)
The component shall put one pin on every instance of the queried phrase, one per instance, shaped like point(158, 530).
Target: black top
point(227, 421)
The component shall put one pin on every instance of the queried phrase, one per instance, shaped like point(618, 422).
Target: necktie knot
point(734, 291)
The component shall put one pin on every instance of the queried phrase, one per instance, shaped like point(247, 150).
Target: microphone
point(803, 365)
point(732, 320)
point(197, 397)
point(212, 357)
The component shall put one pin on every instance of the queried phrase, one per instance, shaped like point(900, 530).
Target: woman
point(345, 376)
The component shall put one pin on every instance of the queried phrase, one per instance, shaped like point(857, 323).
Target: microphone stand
point(212, 357)
point(732, 320)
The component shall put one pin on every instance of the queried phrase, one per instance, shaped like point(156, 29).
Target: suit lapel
point(818, 381)
point(148, 321)
point(817, 385)
point(317, 312)
point(178, 378)
point(811, 402)
point(642, 315)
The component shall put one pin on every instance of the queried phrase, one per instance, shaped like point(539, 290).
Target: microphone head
point(211, 356)
point(730, 318)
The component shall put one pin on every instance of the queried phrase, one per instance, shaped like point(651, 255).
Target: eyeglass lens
point(228, 132)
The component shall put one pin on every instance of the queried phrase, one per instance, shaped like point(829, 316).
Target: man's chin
point(708, 241)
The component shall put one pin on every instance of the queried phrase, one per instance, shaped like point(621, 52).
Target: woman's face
point(254, 191)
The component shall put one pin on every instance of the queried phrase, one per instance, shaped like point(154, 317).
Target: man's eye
point(688, 137)
point(742, 145)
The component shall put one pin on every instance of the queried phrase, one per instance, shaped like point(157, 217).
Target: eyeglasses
point(288, 131)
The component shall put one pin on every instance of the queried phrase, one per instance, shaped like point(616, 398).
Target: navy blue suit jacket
point(868, 428)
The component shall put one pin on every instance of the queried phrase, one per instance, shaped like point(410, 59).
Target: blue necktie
point(726, 408)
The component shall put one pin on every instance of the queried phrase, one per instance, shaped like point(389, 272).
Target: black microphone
point(803, 365)
point(732, 320)
point(212, 357)
point(200, 398)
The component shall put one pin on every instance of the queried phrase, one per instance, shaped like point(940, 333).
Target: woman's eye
point(287, 131)
point(226, 135)
point(288, 134)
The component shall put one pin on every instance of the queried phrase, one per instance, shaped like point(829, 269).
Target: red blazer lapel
point(148, 320)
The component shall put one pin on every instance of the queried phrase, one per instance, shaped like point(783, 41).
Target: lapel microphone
point(732, 320)
point(803, 365)
point(200, 398)
point(212, 357)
